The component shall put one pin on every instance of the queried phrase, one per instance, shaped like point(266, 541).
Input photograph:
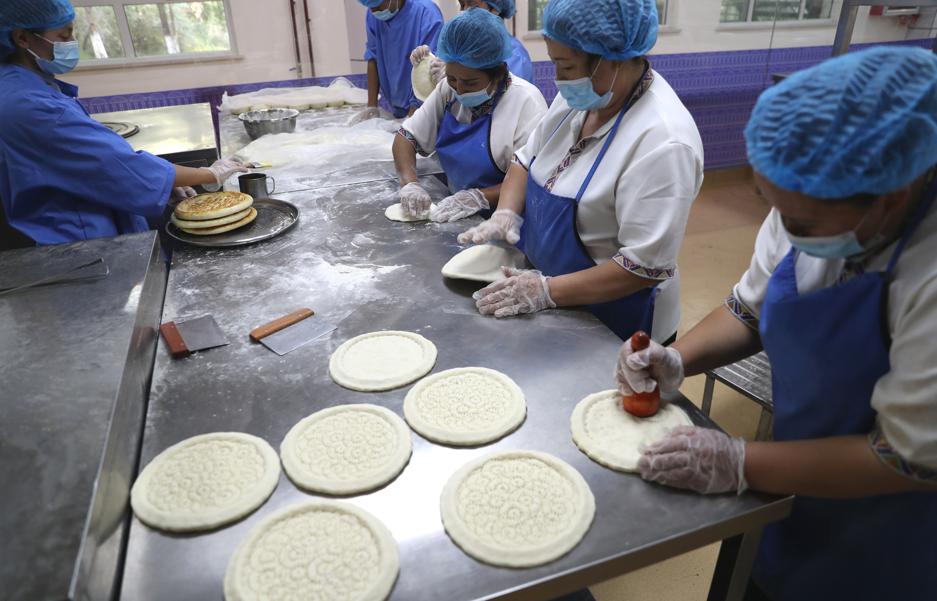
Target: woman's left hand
point(524, 291)
point(699, 459)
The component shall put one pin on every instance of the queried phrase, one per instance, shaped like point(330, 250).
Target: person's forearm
point(405, 160)
point(513, 192)
point(188, 176)
point(491, 195)
point(374, 83)
point(599, 284)
point(841, 467)
point(720, 339)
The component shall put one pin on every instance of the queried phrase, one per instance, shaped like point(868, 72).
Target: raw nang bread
point(421, 79)
point(396, 213)
point(483, 263)
point(382, 361)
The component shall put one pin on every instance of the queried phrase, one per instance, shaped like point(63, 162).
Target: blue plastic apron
point(553, 245)
point(828, 349)
point(464, 151)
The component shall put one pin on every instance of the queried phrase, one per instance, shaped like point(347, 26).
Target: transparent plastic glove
point(460, 205)
point(524, 291)
point(415, 200)
point(366, 114)
point(437, 70)
point(418, 54)
point(699, 459)
point(643, 371)
point(222, 170)
point(180, 194)
point(505, 225)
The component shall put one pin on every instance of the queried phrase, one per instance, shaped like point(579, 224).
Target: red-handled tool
point(641, 404)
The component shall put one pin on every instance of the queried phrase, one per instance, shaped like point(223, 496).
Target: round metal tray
point(273, 218)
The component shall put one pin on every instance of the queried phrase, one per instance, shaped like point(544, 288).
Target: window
point(151, 29)
point(744, 11)
point(535, 13)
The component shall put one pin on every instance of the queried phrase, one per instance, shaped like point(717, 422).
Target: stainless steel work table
point(352, 266)
point(180, 134)
point(75, 366)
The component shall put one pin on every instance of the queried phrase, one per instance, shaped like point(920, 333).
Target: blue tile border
point(719, 88)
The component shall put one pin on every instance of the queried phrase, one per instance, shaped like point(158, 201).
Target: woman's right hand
point(415, 201)
point(505, 225)
point(418, 54)
point(643, 371)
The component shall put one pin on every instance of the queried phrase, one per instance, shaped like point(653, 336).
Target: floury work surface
point(355, 268)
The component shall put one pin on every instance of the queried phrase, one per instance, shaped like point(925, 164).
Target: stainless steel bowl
point(269, 121)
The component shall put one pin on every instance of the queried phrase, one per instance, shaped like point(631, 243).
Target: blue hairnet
point(862, 123)
point(613, 29)
point(371, 3)
point(505, 8)
point(475, 38)
point(35, 15)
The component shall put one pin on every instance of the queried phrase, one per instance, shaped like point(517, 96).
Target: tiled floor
point(717, 249)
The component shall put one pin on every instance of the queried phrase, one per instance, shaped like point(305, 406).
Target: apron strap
point(930, 195)
point(598, 161)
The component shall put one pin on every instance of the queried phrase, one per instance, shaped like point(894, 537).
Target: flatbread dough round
point(517, 509)
point(315, 550)
point(382, 361)
point(483, 263)
point(396, 213)
point(421, 79)
point(209, 223)
point(211, 231)
point(612, 437)
point(212, 206)
point(469, 406)
point(346, 450)
point(205, 481)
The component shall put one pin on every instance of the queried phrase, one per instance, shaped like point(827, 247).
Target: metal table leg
point(734, 566)
point(765, 425)
point(708, 393)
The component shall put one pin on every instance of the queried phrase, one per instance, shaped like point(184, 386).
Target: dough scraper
point(288, 333)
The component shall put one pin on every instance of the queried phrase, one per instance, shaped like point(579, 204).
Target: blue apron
point(464, 151)
point(828, 349)
point(551, 242)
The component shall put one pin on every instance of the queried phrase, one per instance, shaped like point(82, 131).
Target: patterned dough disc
point(205, 481)
point(612, 437)
point(517, 509)
point(382, 361)
point(465, 407)
point(346, 450)
point(315, 550)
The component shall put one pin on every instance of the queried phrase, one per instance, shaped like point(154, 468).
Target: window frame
point(130, 54)
point(800, 20)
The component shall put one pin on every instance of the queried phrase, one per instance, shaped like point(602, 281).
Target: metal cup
point(255, 185)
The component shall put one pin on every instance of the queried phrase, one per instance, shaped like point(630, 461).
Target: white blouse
point(514, 118)
point(635, 210)
point(906, 397)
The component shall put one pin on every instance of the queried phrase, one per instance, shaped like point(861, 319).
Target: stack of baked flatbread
point(216, 213)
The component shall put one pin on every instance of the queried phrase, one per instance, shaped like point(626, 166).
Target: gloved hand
point(505, 225)
point(460, 205)
point(706, 461)
point(222, 170)
point(524, 291)
point(180, 194)
point(366, 114)
point(415, 200)
point(645, 370)
point(418, 54)
point(437, 70)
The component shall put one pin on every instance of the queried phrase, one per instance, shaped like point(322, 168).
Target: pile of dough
point(382, 361)
point(346, 450)
point(216, 213)
point(612, 437)
point(314, 550)
point(314, 147)
point(517, 509)
point(465, 407)
point(396, 213)
point(483, 263)
point(205, 481)
point(340, 93)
